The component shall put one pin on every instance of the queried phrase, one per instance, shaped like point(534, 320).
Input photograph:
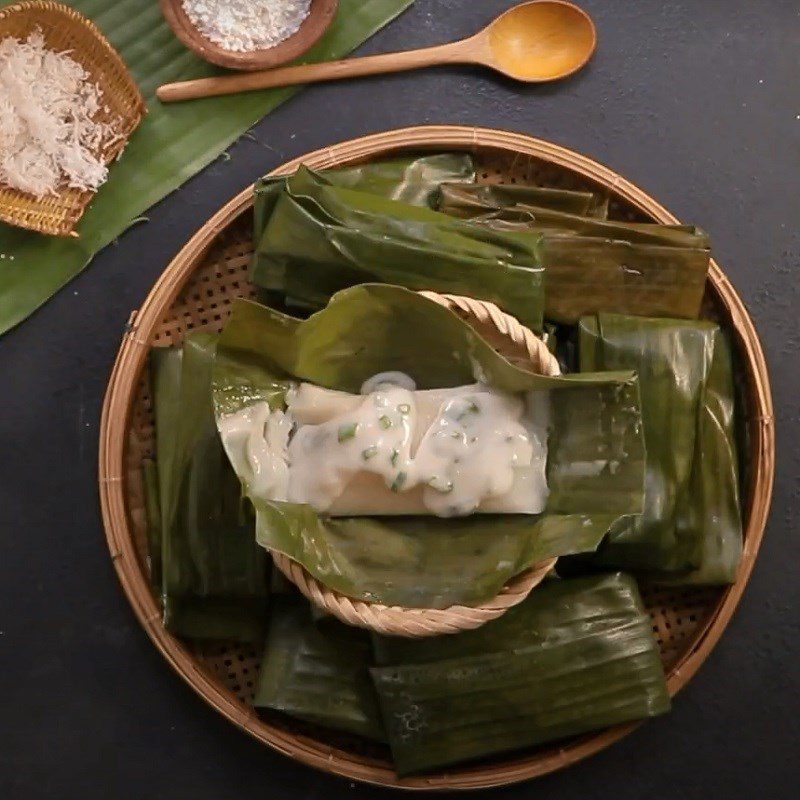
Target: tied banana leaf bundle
point(213, 575)
point(575, 656)
point(691, 526)
point(413, 180)
point(319, 674)
point(322, 238)
point(425, 561)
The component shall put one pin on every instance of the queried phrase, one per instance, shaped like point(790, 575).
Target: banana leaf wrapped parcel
point(424, 561)
point(691, 528)
point(317, 673)
point(414, 179)
point(576, 655)
point(322, 238)
point(213, 575)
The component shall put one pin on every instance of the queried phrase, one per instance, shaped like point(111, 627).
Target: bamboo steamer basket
point(195, 292)
point(64, 29)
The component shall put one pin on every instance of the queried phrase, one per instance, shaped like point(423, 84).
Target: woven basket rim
point(129, 364)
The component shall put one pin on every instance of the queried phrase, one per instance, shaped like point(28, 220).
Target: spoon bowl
point(540, 41)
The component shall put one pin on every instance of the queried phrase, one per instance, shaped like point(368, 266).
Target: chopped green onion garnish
point(347, 431)
point(385, 421)
point(394, 456)
point(369, 452)
point(398, 482)
point(404, 408)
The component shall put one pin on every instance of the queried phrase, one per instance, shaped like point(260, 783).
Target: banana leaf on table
point(691, 523)
point(322, 238)
point(575, 656)
point(173, 142)
point(468, 201)
point(426, 561)
point(317, 674)
point(414, 179)
point(213, 575)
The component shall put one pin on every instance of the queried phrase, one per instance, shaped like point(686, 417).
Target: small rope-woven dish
point(520, 345)
point(65, 30)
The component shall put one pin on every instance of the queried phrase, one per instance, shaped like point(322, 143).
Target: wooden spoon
point(535, 42)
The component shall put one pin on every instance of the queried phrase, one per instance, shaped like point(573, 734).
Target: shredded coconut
point(49, 136)
point(244, 25)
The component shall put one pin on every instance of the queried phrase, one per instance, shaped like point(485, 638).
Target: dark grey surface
point(697, 102)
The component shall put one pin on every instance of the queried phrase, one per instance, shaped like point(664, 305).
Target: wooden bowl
point(195, 292)
point(319, 17)
point(65, 29)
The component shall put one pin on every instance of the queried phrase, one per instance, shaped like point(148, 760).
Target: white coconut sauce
point(448, 452)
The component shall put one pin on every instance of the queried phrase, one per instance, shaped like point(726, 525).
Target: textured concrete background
point(698, 103)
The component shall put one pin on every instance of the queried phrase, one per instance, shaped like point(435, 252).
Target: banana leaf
point(214, 577)
point(554, 221)
point(152, 519)
point(576, 656)
point(165, 371)
point(322, 238)
point(319, 675)
point(422, 561)
point(476, 200)
point(173, 142)
point(691, 519)
point(554, 612)
point(586, 275)
point(414, 180)
point(710, 509)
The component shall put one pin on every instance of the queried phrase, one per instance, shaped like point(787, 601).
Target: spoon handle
point(455, 52)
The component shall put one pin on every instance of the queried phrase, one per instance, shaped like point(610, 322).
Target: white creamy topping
point(375, 437)
point(393, 450)
point(255, 439)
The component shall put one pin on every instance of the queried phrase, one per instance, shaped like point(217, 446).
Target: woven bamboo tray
point(64, 29)
point(195, 292)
